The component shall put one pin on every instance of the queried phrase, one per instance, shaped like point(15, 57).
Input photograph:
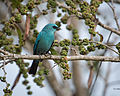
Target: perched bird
point(42, 44)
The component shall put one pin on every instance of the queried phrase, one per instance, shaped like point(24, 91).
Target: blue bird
point(42, 44)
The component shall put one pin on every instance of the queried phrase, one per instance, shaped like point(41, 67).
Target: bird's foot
point(48, 54)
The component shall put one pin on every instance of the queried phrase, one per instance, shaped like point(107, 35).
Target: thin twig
point(115, 17)
point(6, 63)
point(106, 80)
point(105, 46)
point(109, 28)
point(99, 66)
point(69, 58)
point(91, 75)
point(52, 67)
point(4, 67)
point(95, 78)
point(16, 80)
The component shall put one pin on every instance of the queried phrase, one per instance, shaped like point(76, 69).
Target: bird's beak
point(58, 29)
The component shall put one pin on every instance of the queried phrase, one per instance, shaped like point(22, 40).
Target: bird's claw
point(48, 54)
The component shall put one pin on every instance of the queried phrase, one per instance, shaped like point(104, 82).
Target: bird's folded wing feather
point(37, 42)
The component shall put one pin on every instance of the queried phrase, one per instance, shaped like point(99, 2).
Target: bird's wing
point(37, 42)
point(50, 46)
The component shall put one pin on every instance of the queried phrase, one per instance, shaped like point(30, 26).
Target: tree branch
point(114, 14)
point(54, 57)
point(109, 28)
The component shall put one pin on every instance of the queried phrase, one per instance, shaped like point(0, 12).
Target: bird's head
point(51, 28)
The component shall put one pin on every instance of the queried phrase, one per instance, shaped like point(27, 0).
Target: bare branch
point(27, 27)
point(90, 79)
point(56, 86)
point(106, 80)
point(116, 1)
point(16, 80)
point(115, 17)
point(54, 57)
point(109, 28)
point(105, 46)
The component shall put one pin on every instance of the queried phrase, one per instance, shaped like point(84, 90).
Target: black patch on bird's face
point(55, 27)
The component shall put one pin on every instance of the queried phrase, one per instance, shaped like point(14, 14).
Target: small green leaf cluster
point(88, 13)
point(118, 47)
point(94, 4)
point(82, 49)
point(33, 22)
point(35, 33)
point(85, 46)
point(64, 65)
point(65, 42)
point(89, 18)
point(28, 87)
point(23, 70)
point(5, 41)
point(29, 92)
point(64, 51)
point(7, 91)
point(91, 47)
point(107, 0)
point(51, 4)
point(3, 79)
point(12, 48)
point(53, 10)
point(58, 23)
point(64, 19)
point(91, 31)
point(64, 62)
point(44, 12)
point(15, 3)
point(24, 9)
point(38, 80)
point(31, 4)
point(70, 3)
point(63, 9)
point(23, 67)
point(25, 82)
point(75, 40)
point(100, 46)
point(18, 17)
point(69, 27)
point(9, 27)
point(67, 75)
point(59, 15)
point(56, 43)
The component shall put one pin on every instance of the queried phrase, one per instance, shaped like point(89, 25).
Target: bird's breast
point(45, 43)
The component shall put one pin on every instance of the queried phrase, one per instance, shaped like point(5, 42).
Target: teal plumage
point(42, 44)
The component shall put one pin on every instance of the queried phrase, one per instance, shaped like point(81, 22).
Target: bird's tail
point(33, 67)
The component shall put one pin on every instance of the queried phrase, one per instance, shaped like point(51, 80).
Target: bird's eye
point(55, 27)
